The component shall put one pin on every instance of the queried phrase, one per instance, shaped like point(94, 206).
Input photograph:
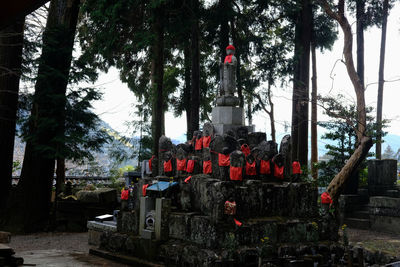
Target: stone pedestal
point(225, 118)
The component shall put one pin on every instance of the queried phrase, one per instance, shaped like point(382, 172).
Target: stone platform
point(226, 118)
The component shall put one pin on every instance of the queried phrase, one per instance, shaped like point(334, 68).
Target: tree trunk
point(314, 120)
point(301, 84)
point(48, 114)
point(224, 31)
point(195, 82)
point(11, 39)
point(381, 81)
point(360, 7)
point(187, 88)
point(157, 79)
point(60, 175)
point(271, 113)
point(236, 42)
point(364, 143)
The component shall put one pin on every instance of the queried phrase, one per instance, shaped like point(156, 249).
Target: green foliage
point(16, 166)
point(342, 131)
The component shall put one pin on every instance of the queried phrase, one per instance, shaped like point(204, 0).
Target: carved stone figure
point(165, 145)
point(286, 150)
point(181, 160)
point(227, 72)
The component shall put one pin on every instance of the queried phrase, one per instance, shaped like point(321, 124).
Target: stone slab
point(5, 237)
point(228, 115)
point(147, 234)
point(99, 226)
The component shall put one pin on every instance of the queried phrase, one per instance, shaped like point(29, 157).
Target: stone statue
point(227, 72)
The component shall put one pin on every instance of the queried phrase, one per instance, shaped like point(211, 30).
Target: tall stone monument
point(227, 115)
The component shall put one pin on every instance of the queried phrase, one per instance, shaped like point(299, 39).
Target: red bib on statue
point(228, 59)
point(265, 167)
point(125, 194)
point(326, 198)
point(245, 149)
point(168, 166)
point(235, 173)
point(180, 164)
point(296, 167)
point(190, 166)
point(151, 163)
point(223, 160)
point(199, 144)
point(144, 189)
point(251, 168)
point(207, 167)
point(278, 171)
point(206, 141)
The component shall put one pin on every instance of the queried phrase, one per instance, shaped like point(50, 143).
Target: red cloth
point(228, 59)
point(251, 168)
point(206, 141)
point(207, 169)
point(151, 162)
point(223, 160)
point(237, 222)
point(245, 149)
point(326, 198)
point(230, 47)
point(180, 164)
point(125, 194)
point(278, 171)
point(190, 166)
point(144, 188)
point(296, 169)
point(168, 166)
point(188, 179)
point(199, 144)
point(235, 173)
point(265, 167)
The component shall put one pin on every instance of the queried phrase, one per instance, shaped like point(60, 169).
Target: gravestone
point(382, 175)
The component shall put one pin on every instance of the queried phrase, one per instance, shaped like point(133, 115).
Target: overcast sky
point(116, 108)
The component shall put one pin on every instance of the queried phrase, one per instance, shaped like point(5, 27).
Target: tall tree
point(360, 15)
point(11, 39)
point(301, 82)
point(364, 142)
point(195, 71)
point(46, 127)
point(381, 80)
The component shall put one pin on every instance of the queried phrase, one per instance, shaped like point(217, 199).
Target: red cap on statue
point(230, 47)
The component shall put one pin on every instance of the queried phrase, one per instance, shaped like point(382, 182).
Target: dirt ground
point(57, 249)
point(71, 249)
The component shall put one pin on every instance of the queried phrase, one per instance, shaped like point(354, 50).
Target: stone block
point(382, 175)
point(128, 222)
point(103, 195)
point(384, 206)
point(5, 237)
point(147, 234)
point(161, 229)
point(101, 226)
point(94, 237)
point(221, 129)
point(228, 115)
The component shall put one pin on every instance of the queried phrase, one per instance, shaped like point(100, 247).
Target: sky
point(116, 108)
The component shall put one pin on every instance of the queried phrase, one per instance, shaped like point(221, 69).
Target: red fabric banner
point(199, 144)
point(251, 168)
point(207, 169)
point(236, 173)
point(265, 167)
point(296, 169)
point(278, 171)
point(245, 149)
point(223, 160)
point(180, 164)
point(168, 166)
point(190, 166)
point(206, 141)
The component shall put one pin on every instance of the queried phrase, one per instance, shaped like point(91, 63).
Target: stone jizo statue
point(227, 86)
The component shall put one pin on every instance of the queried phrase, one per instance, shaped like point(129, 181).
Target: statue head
point(230, 50)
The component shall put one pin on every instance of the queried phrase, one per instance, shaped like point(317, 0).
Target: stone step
point(360, 214)
point(357, 223)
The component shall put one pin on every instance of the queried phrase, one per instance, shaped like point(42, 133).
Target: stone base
point(223, 128)
point(227, 101)
point(228, 115)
